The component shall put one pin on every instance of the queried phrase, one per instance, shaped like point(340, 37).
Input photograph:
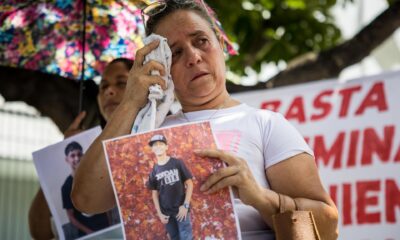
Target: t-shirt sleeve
point(66, 195)
point(186, 174)
point(152, 183)
point(282, 141)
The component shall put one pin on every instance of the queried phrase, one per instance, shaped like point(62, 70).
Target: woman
point(111, 90)
point(269, 157)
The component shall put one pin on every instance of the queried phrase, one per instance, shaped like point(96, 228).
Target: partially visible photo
point(157, 178)
point(56, 166)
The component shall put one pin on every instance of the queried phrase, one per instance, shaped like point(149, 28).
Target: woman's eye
point(176, 53)
point(203, 41)
point(103, 87)
point(122, 84)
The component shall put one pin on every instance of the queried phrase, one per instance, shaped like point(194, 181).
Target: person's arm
point(76, 223)
point(39, 218)
point(296, 177)
point(188, 196)
point(163, 218)
point(92, 191)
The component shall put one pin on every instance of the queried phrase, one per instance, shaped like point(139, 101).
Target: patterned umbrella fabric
point(46, 35)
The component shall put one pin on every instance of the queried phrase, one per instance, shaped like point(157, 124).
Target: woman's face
point(112, 88)
point(198, 65)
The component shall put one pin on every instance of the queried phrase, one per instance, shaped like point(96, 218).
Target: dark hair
point(172, 6)
point(71, 147)
point(126, 61)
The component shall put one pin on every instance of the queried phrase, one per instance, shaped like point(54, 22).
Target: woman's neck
point(221, 101)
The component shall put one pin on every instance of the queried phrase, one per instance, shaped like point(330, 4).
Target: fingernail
point(202, 188)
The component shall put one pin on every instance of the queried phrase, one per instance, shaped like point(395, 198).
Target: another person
point(269, 157)
point(172, 186)
point(85, 224)
point(111, 91)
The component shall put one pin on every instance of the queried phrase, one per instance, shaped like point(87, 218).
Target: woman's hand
point(75, 126)
point(140, 78)
point(236, 174)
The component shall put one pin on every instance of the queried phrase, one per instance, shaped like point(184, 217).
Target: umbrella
point(49, 35)
point(71, 38)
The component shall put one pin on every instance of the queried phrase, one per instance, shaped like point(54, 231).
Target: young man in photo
point(172, 186)
point(84, 223)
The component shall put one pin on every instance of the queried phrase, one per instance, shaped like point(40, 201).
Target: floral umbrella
point(59, 37)
point(48, 35)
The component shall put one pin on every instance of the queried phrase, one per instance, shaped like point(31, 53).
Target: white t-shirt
point(261, 137)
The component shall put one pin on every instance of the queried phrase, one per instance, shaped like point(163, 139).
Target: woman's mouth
point(199, 75)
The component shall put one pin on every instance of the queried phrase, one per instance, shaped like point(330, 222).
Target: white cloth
point(261, 137)
point(153, 114)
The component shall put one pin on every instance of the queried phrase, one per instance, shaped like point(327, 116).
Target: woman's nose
point(193, 57)
point(110, 91)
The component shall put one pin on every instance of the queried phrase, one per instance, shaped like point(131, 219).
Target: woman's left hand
point(236, 174)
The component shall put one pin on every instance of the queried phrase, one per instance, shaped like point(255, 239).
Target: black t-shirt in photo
point(169, 180)
point(94, 222)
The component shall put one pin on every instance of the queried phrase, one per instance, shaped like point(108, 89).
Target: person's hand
point(75, 128)
point(182, 213)
point(164, 218)
point(140, 78)
point(236, 174)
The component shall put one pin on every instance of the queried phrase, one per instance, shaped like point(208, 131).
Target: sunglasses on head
point(157, 7)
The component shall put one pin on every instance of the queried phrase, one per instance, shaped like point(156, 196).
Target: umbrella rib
point(83, 58)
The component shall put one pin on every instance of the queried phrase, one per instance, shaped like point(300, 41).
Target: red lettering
point(318, 103)
point(333, 193)
point(375, 98)
point(363, 201)
point(397, 155)
point(346, 96)
point(392, 200)
point(372, 144)
point(271, 105)
point(346, 204)
point(296, 110)
point(323, 154)
point(354, 136)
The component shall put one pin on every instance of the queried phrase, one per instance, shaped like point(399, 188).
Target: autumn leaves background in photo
point(131, 160)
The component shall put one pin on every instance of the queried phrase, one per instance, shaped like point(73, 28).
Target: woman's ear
point(223, 46)
point(221, 42)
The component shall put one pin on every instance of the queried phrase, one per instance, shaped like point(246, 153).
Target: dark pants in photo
point(179, 230)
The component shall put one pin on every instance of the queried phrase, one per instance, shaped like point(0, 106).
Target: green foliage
point(276, 30)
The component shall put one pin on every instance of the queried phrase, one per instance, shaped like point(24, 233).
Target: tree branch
point(330, 63)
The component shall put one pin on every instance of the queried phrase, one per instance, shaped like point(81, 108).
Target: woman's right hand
point(140, 78)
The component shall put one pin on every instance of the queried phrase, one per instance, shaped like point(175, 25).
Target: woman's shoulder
point(261, 114)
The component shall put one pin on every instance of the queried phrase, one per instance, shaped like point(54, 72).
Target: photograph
point(56, 166)
point(157, 179)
